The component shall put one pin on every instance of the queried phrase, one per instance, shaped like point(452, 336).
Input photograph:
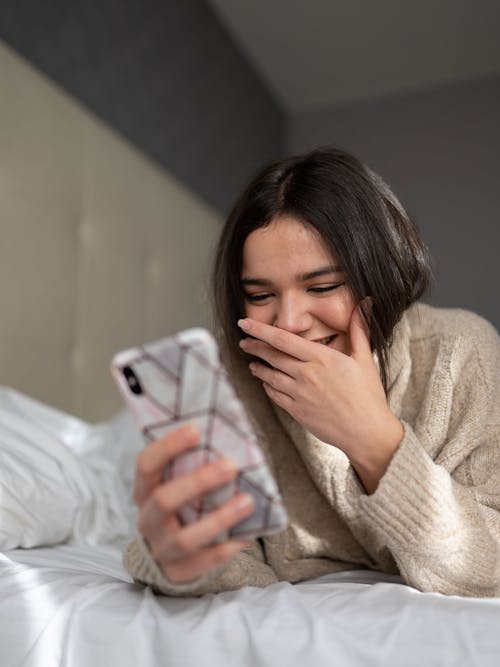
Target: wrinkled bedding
point(65, 598)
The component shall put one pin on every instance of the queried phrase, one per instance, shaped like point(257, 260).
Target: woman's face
point(291, 280)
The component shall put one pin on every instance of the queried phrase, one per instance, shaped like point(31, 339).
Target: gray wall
point(165, 74)
point(440, 150)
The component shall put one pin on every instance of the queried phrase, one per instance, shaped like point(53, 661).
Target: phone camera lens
point(132, 380)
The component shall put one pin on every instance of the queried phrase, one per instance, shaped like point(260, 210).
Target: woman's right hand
point(185, 552)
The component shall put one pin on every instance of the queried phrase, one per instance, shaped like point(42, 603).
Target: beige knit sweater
point(435, 516)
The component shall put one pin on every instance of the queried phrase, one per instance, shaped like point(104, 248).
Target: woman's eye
point(326, 288)
point(257, 297)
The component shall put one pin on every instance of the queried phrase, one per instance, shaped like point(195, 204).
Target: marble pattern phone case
point(179, 380)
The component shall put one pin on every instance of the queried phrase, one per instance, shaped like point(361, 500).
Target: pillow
point(61, 479)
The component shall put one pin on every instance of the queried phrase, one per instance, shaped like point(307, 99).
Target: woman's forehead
point(286, 243)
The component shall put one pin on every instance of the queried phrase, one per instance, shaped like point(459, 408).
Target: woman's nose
point(293, 316)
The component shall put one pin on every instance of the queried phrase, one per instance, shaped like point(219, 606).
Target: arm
point(247, 568)
point(435, 494)
point(437, 507)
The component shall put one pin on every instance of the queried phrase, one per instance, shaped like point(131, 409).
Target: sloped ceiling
point(322, 53)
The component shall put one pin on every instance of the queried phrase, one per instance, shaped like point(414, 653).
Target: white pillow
point(62, 480)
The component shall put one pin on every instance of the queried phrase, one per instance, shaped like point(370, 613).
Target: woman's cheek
point(262, 313)
point(346, 308)
point(248, 309)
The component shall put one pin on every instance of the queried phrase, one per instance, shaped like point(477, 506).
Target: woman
point(379, 416)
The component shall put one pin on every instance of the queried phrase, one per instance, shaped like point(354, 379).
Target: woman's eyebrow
point(303, 277)
point(323, 271)
point(254, 281)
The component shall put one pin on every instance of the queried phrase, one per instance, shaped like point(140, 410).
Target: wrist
point(371, 462)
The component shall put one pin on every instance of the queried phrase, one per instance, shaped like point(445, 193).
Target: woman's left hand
point(337, 397)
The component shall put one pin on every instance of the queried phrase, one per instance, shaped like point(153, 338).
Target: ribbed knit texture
point(435, 516)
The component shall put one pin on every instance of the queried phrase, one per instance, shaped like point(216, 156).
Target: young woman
point(379, 416)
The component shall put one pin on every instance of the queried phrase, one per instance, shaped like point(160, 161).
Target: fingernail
point(190, 431)
point(243, 343)
point(243, 502)
point(226, 465)
point(244, 324)
point(368, 301)
point(252, 367)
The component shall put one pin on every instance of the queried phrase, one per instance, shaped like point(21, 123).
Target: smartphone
point(179, 380)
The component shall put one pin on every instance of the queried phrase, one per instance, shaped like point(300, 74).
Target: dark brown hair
point(359, 219)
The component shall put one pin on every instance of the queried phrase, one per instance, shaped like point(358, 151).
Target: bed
point(102, 250)
point(72, 603)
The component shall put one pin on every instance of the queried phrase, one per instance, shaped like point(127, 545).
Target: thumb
point(359, 331)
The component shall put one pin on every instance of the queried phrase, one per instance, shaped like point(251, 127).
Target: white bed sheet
point(74, 604)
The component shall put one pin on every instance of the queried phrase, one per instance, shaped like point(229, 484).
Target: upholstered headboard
point(100, 248)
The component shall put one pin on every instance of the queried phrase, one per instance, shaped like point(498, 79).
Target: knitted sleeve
point(247, 568)
point(437, 508)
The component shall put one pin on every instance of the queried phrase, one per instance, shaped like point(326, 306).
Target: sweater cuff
point(138, 560)
point(411, 499)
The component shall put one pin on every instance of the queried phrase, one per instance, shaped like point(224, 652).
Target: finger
point(274, 378)
point(287, 342)
point(283, 400)
point(167, 498)
point(154, 457)
point(359, 335)
point(193, 566)
point(280, 360)
point(203, 532)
